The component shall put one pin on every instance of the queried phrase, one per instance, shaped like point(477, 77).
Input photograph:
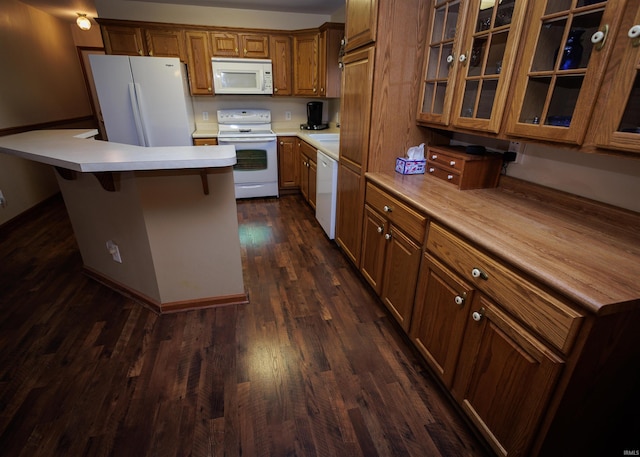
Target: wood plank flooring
point(312, 366)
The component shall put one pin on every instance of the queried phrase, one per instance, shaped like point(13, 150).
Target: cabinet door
point(122, 40)
point(486, 64)
point(205, 141)
point(305, 64)
point(440, 316)
point(165, 43)
point(199, 63)
point(356, 103)
point(303, 167)
point(361, 23)
point(288, 163)
point(255, 46)
point(505, 378)
point(402, 261)
point(561, 70)
point(330, 75)
point(373, 248)
point(618, 121)
point(441, 61)
point(349, 211)
point(281, 61)
point(224, 44)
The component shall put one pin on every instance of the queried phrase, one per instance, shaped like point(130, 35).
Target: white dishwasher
point(326, 189)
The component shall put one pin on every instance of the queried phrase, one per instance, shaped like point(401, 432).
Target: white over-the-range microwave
point(242, 76)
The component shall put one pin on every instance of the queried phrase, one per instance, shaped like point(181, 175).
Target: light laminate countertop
point(75, 149)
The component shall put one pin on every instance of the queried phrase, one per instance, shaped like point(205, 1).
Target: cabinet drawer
point(437, 157)
point(441, 173)
point(547, 316)
point(412, 222)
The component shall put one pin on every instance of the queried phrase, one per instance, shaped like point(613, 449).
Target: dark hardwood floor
point(312, 366)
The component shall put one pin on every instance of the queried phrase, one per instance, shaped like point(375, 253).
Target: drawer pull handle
point(380, 229)
point(434, 156)
point(478, 273)
point(459, 300)
point(387, 236)
point(431, 170)
point(387, 209)
point(478, 315)
point(449, 177)
point(452, 163)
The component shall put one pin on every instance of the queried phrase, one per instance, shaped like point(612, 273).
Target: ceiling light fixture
point(83, 21)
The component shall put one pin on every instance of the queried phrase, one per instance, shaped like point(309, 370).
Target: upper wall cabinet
point(315, 62)
point(469, 62)
point(123, 40)
point(361, 23)
point(565, 54)
point(280, 46)
point(617, 115)
point(230, 44)
point(199, 62)
point(165, 43)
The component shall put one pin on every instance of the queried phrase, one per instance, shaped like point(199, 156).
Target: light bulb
point(83, 21)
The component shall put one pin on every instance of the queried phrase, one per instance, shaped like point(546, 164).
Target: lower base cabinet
point(288, 168)
point(308, 171)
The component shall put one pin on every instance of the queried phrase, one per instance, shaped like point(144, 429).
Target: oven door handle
point(253, 139)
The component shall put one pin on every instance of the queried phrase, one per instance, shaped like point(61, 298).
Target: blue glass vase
point(572, 52)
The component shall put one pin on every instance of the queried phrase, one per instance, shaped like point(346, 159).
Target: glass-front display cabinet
point(617, 119)
point(469, 62)
point(565, 53)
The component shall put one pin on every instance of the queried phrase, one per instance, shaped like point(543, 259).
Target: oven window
point(250, 160)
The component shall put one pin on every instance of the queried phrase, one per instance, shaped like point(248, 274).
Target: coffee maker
point(314, 117)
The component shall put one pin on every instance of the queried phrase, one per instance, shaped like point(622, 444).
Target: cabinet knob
point(462, 58)
point(459, 300)
point(450, 58)
point(275, 89)
point(434, 156)
point(387, 236)
point(431, 170)
point(478, 273)
point(600, 37)
point(140, 52)
point(209, 89)
point(282, 143)
point(478, 315)
point(151, 53)
point(245, 52)
point(449, 177)
point(452, 163)
point(634, 34)
point(387, 209)
point(315, 90)
point(380, 229)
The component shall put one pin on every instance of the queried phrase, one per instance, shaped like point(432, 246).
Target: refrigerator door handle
point(135, 107)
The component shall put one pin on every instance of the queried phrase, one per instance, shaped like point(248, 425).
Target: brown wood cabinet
point(308, 170)
point(616, 119)
point(199, 62)
point(165, 43)
point(393, 235)
point(440, 317)
point(361, 23)
point(123, 40)
point(553, 94)
point(469, 62)
point(232, 44)
point(465, 171)
point(205, 141)
point(315, 62)
point(288, 163)
point(281, 61)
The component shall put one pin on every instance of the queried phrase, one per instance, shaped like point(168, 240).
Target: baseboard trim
point(170, 307)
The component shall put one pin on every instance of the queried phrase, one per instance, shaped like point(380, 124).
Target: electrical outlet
point(114, 251)
point(3, 202)
point(205, 115)
point(515, 146)
point(287, 115)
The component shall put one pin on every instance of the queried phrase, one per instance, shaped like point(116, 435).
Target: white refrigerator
point(144, 101)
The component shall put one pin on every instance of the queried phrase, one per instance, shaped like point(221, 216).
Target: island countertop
point(74, 149)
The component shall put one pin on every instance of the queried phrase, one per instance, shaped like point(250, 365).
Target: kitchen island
point(158, 224)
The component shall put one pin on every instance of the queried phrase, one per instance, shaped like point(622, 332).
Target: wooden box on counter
point(466, 171)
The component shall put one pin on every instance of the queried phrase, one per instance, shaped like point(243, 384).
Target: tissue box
point(410, 166)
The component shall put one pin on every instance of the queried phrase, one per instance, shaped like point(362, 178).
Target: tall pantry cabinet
point(382, 66)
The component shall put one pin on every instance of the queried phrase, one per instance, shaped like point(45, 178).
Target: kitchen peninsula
point(158, 224)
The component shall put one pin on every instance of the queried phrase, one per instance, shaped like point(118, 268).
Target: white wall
point(41, 81)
